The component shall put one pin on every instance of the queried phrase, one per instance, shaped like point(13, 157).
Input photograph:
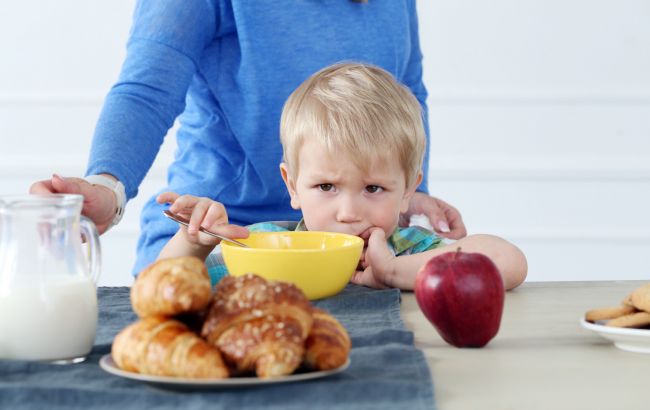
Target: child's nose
point(349, 210)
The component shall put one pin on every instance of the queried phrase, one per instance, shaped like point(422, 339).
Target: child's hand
point(377, 263)
point(202, 212)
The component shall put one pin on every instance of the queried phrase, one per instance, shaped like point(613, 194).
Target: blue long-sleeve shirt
point(227, 67)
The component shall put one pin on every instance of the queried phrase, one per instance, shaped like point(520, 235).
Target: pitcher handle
point(94, 258)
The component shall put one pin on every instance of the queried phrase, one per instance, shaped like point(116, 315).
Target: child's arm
point(383, 269)
point(201, 212)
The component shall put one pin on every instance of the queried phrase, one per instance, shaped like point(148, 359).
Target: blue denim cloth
point(386, 371)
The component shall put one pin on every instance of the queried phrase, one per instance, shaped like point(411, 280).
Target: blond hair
point(359, 110)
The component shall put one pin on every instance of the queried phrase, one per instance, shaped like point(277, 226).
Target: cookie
point(608, 313)
point(641, 298)
point(637, 319)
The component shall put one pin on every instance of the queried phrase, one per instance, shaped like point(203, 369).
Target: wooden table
point(542, 358)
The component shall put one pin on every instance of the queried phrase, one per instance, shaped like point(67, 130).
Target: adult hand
point(444, 218)
point(100, 203)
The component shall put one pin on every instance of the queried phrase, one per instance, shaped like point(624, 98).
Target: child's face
point(336, 196)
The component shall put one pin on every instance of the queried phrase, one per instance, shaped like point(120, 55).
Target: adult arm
point(444, 218)
point(165, 45)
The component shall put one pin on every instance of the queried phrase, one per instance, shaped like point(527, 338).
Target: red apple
point(462, 296)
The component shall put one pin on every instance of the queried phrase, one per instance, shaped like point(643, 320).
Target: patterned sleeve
point(415, 239)
point(217, 265)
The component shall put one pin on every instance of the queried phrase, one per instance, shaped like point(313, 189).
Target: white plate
point(107, 363)
point(631, 340)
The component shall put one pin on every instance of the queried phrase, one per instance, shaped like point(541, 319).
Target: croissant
point(171, 286)
point(259, 325)
point(165, 347)
point(328, 344)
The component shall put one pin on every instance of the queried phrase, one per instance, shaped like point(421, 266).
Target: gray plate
point(107, 363)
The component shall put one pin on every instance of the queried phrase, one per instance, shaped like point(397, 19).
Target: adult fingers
point(42, 187)
point(438, 220)
point(445, 219)
point(47, 186)
point(432, 208)
point(68, 185)
point(456, 224)
point(99, 202)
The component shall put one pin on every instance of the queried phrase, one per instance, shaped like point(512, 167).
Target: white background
point(539, 112)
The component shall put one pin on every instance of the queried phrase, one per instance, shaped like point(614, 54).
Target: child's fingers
point(358, 278)
point(215, 215)
point(379, 260)
point(232, 231)
point(376, 234)
point(184, 204)
point(377, 247)
point(167, 197)
point(362, 260)
point(365, 235)
point(227, 230)
point(366, 278)
point(198, 214)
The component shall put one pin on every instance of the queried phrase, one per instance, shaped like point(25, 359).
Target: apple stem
point(457, 252)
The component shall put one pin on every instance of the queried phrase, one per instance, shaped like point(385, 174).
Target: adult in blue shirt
point(226, 67)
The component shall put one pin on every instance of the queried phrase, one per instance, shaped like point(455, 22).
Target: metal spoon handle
point(185, 222)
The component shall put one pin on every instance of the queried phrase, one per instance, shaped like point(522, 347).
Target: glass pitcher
point(48, 298)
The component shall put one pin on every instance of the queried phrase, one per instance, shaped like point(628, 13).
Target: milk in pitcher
point(52, 318)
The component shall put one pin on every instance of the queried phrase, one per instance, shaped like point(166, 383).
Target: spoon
point(185, 222)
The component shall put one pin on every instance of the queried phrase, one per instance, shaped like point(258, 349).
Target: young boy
point(353, 142)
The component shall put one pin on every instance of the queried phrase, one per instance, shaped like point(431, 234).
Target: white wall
point(539, 111)
point(540, 114)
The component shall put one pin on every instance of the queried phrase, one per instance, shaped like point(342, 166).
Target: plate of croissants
point(245, 331)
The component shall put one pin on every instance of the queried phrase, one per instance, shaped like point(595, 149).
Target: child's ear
point(408, 194)
point(291, 185)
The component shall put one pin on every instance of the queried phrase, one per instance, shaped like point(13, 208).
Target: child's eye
point(326, 187)
point(373, 189)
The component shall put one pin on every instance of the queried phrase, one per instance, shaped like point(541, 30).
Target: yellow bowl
point(319, 263)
